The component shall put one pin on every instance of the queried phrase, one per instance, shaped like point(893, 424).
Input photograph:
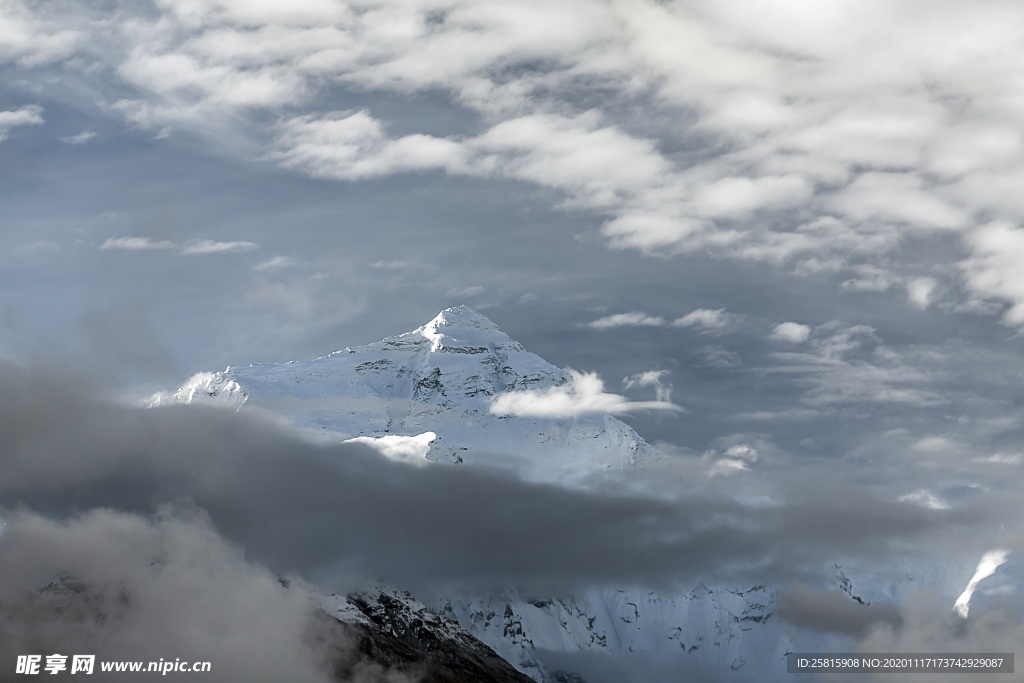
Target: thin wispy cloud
point(41, 246)
point(704, 319)
point(135, 244)
point(200, 247)
point(632, 319)
point(850, 365)
point(82, 138)
point(203, 247)
point(924, 498)
point(276, 263)
point(651, 378)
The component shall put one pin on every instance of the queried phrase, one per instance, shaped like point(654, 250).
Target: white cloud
point(259, 12)
point(276, 263)
point(631, 319)
point(739, 197)
point(794, 333)
point(191, 248)
point(651, 378)
point(411, 450)
point(583, 394)
point(897, 197)
point(704, 318)
point(734, 459)
point(720, 357)
point(177, 75)
point(964, 149)
point(135, 244)
point(40, 246)
point(813, 112)
point(599, 166)
point(1004, 458)
point(651, 230)
point(994, 268)
point(887, 132)
point(203, 247)
point(26, 116)
point(925, 499)
point(354, 146)
point(869, 278)
point(82, 138)
point(919, 291)
point(741, 451)
point(31, 115)
point(796, 414)
point(933, 444)
point(31, 40)
point(727, 466)
point(596, 166)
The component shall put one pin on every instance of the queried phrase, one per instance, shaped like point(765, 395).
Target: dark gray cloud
point(331, 512)
point(922, 623)
point(122, 586)
point(833, 611)
point(177, 522)
point(927, 625)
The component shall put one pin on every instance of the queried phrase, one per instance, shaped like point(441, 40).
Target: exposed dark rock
point(405, 636)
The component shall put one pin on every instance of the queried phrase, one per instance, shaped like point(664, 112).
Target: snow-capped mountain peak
point(440, 379)
point(460, 327)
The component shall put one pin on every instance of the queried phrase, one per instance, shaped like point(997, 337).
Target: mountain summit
point(461, 327)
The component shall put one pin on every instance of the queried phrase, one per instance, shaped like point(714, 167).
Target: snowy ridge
point(425, 396)
point(716, 626)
